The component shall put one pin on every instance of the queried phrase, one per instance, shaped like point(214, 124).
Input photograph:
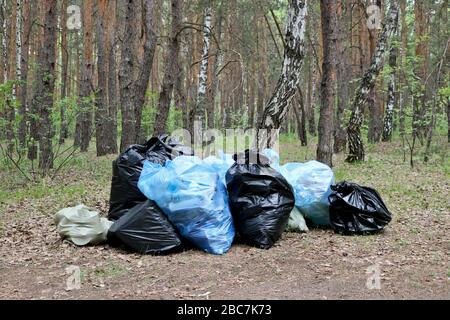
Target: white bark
point(203, 73)
point(294, 53)
point(18, 39)
point(4, 49)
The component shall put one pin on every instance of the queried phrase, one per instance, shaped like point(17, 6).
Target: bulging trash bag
point(127, 170)
point(146, 230)
point(312, 185)
point(81, 225)
point(191, 194)
point(296, 222)
point(260, 199)
point(357, 210)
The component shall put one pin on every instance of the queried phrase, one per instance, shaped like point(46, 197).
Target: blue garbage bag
point(192, 195)
point(312, 185)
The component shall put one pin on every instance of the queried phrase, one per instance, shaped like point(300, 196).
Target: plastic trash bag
point(296, 222)
point(357, 210)
point(312, 185)
point(146, 230)
point(260, 200)
point(127, 170)
point(81, 225)
point(191, 194)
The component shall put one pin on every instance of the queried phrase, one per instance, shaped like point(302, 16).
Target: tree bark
point(200, 106)
point(144, 73)
point(113, 93)
point(132, 91)
point(45, 79)
point(101, 113)
point(356, 147)
point(343, 75)
point(86, 83)
point(421, 34)
point(328, 10)
point(170, 69)
point(64, 70)
point(389, 116)
point(126, 79)
point(286, 87)
point(212, 90)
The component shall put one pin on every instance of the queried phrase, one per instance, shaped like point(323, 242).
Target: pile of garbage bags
point(163, 199)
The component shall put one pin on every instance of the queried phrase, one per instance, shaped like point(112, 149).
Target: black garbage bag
point(357, 210)
point(146, 230)
point(127, 170)
point(261, 200)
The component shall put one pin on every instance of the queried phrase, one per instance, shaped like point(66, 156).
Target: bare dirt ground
point(412, 253)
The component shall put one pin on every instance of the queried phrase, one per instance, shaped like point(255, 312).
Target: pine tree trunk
point(343, 75)
point(145, 68)
point(45, 77)
point(86, 83)
point(355, 144)
point(212, 90)
point(101, 113)
point(64, 70)
point(113, 93)
point(286, 87)
point(126, 79)
point(165, 96)
point(328, 10)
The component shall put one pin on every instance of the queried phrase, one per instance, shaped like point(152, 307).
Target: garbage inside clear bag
point(192, 195)
point(312, 185)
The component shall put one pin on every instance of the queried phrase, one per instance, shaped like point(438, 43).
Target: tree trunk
point(286, 87)
point(388, 118)
point(26, 33)
point(45, 79)
point(113, 93)
point(86, 83)
point(12, 76)
point(328, 92)
point(343, 75)
point(170, 69)
point(144, 73)
point(132, 91)
point(301, 120)
point(64, 70)
point(212, 90)
point(374, 104)
point(126, 79)
point(421, 66)
point(356, 147)
point(101, 113)
point(200, 106)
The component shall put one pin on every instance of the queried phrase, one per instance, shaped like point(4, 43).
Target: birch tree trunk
point(170, 70)
point(355, 144)
point(389, 115)
point(26, 27)
point(328, 12)
point(286, 87)
point(200, 106)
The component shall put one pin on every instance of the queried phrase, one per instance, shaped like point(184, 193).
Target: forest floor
point(412, 253)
